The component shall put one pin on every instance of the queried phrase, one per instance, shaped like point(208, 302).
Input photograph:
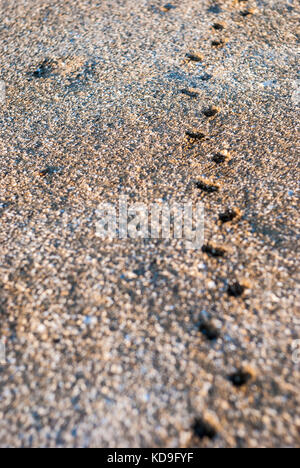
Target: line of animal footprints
point(236, 289)
point(203, 427)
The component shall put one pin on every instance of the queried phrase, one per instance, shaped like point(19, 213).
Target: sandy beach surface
point(144, 343)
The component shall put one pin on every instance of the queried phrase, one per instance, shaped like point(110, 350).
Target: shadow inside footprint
point(203, 429)
point(236, 290)
point(240, 378)
point(43, 70)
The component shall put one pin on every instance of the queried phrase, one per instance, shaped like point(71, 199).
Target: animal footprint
point(207, 186)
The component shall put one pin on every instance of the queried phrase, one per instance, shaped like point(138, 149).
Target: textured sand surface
point(103, 339)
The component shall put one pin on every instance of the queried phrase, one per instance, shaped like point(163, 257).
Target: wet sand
point(129, 343)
